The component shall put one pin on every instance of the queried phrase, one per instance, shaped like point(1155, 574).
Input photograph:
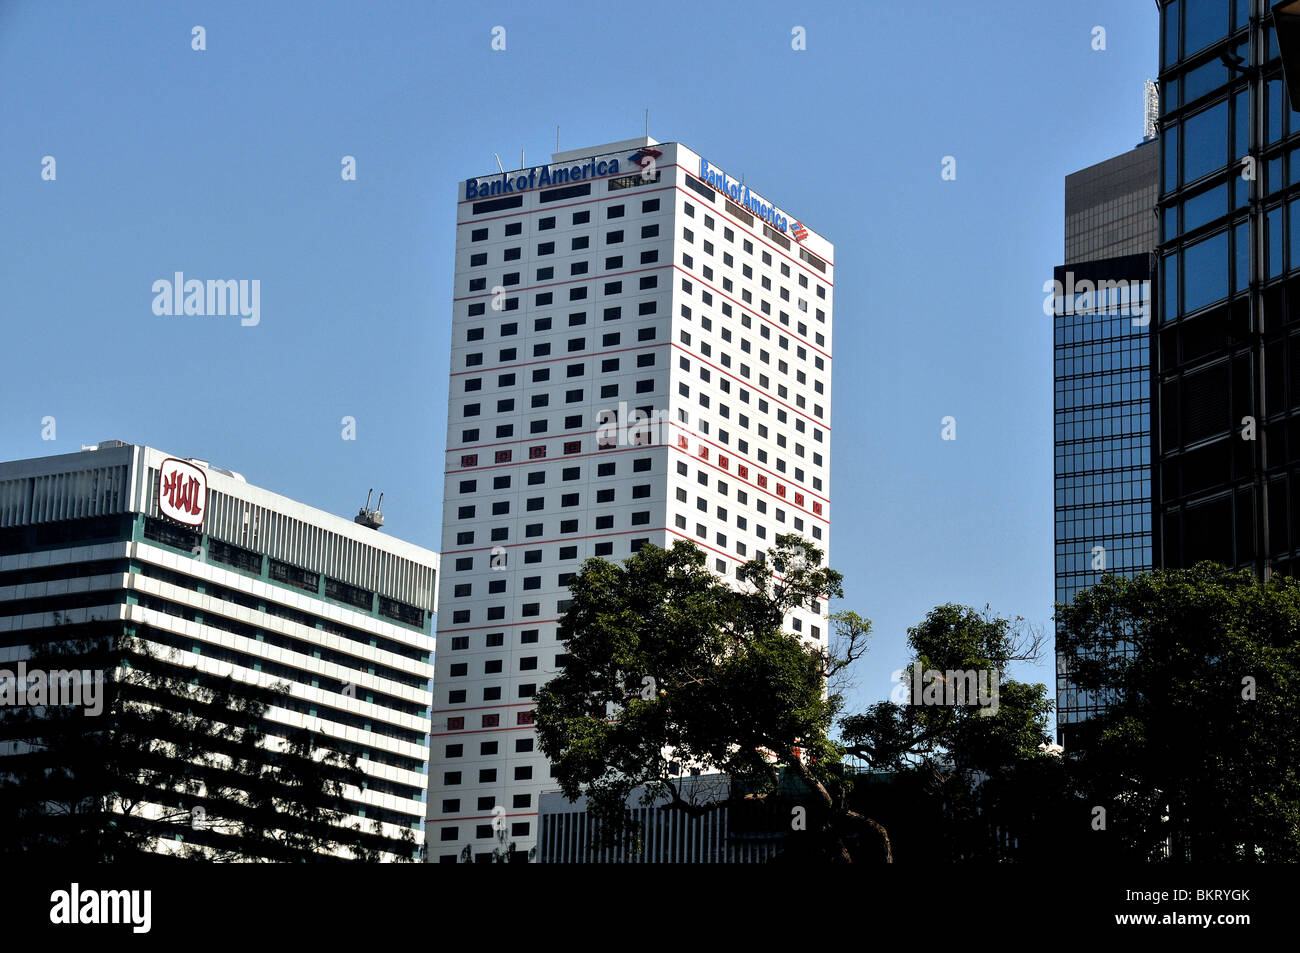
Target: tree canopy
point(670, 669)
point(1193, 757)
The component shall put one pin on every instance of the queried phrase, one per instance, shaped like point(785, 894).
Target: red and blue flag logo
point(642, 157)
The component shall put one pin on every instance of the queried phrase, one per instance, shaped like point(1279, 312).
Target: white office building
point(232, 579)
point(641, 353)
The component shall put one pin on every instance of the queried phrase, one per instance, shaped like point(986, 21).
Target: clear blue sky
point(225, 163)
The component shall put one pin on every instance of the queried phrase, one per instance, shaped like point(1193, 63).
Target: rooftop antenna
point(647, 123)
point(368, 517)
point(498, 158)
point(522, 164)
point(1152, 110)
point(557, 138)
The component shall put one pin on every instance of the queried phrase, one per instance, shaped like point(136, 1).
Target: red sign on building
point(182, 491)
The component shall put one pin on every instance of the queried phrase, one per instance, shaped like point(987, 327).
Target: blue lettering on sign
point(740, 194)
point(539, 177)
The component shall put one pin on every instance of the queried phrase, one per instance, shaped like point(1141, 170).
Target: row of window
point(1192, 25)
point(548, 222)
point(746, 296)
point(607, 339)
point(615, 339)
point(607, 496)
point(1218, 135)
point(576, 268)
point(574, 422)
point(608, 365)
point(494, 667)
point(642, 491)
point(481, 832)
point(720, 539)
point(603, 548)
point(612, 313)
point(489, 801)
point(746, 347)
point(613, 365)
point(604, 522)
point(640, 436)
point(648, 206)
point(523, 772)
point(689, 211)
point(746, 321)
point(571, 422)
point(649, 282)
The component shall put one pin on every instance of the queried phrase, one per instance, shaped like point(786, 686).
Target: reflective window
point(1205, 207)
point(1276, 98)
point(1293, 213)
point(1205, 272)
point(1242, 240)
point(1169, 143)
point(1240, 187)
point(1171, 32)
point(1169, 287)
point(1275, 242)
point(1206, 21)
point(1204, 78)
point(1205, 142)
point(1241, 108)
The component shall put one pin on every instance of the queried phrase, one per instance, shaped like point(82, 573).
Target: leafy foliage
point(1194, 758)
point(670, 669)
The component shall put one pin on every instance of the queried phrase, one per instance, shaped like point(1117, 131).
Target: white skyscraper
point(233, 580)
point(627, 279)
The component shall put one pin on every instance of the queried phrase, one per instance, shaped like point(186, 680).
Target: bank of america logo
point(641, 156)
point(800, 233)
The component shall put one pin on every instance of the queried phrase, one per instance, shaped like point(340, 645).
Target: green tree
point(670, 669)
point(946, 747)
point(1194, 757)
point(953, 641)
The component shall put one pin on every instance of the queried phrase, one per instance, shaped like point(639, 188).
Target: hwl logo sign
point(182, 491)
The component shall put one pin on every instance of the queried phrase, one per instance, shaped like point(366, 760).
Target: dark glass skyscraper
point(1102, 310)
point(1227, 339)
